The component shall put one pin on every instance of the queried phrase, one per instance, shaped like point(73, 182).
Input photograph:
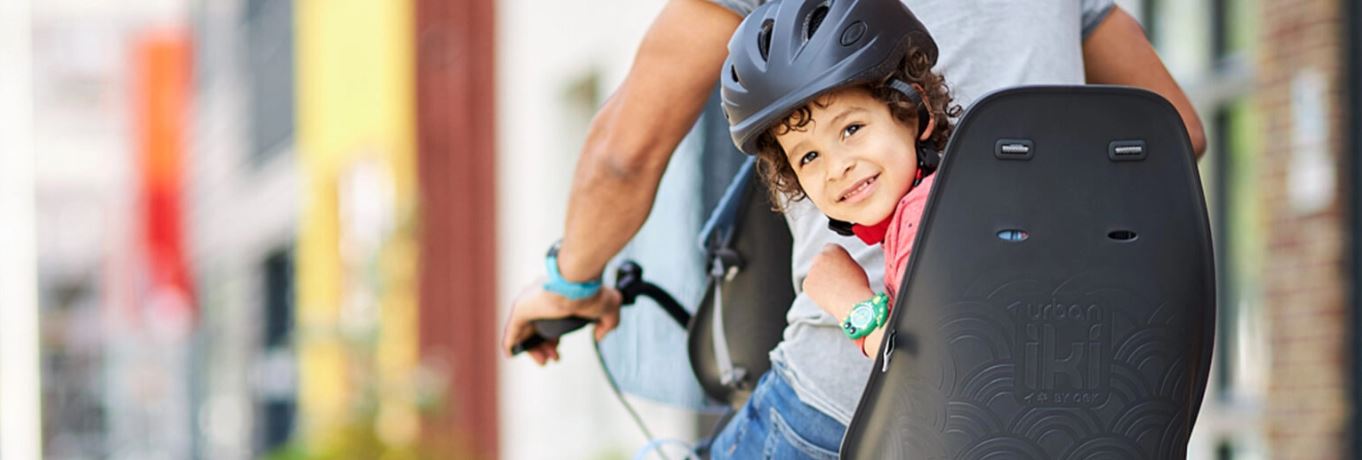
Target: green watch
point(866, 316)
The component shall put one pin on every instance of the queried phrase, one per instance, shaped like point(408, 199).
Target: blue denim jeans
point(776, 424)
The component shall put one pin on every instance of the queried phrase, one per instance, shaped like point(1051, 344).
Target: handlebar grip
point(548, 329)
point(629, 281)
point(554, 328)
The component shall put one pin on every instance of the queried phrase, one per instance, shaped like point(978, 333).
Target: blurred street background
point(291, 229)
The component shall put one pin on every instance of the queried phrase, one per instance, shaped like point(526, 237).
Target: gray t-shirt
point(985, 45)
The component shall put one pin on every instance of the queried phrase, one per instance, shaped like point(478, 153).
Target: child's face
point(854, 159)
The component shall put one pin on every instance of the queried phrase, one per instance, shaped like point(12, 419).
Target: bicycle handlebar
point(629, 281)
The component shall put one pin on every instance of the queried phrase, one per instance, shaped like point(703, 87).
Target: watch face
point(862, 316)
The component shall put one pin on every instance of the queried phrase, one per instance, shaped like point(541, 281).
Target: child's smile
point(859, 190)
point(854, 159)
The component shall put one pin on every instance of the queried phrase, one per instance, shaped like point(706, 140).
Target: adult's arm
point(633, 136)
point(1117, 52)
point(627, 148)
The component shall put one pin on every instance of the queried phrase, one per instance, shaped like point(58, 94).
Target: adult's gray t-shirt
point(985, 45)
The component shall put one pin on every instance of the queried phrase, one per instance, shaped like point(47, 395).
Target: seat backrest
point(755, 299)
point(1060, 301)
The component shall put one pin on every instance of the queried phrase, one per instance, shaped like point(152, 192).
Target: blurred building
point(308, 221)
point(243, 198)
point(359, 381)
point(1277, 85)
point(21, 423)
point(108, 102)
point(78, 181)
point(456, 166)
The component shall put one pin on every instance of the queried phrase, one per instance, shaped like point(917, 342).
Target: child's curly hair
point(916, 68)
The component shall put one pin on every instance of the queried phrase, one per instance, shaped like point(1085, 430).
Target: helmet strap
point(928, 160)
point(924, 116)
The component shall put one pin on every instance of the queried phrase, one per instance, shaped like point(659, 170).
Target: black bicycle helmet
point(788, 51)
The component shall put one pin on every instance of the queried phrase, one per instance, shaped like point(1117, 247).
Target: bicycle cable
point(653, 443)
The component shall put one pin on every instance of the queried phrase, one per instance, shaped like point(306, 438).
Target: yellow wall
point(355, 109)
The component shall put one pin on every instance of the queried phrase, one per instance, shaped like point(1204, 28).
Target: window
point(1149, 12)
point(269, 70)
point(276, 395)
point(1242, 368)
point(1220, 83)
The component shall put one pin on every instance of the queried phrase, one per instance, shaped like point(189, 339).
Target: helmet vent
point(734, 70)
point(764, 39)
point(814, 20)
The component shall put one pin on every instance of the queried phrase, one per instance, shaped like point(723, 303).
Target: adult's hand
point(534, 303)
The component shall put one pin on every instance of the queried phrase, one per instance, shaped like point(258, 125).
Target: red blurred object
point(160, 102)
point(456, 158)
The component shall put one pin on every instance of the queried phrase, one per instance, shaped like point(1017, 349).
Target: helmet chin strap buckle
point(840, 227)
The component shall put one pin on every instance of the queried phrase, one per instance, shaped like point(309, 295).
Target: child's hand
point(836, 282)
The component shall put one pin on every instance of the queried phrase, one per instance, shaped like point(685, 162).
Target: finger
point(549, 349)
point(509, 338)
point(609, 302)
point(517, 331)
point(550, 346)
point(612, 298)
point(539, 355)
point(610, 318)
point(607, 323)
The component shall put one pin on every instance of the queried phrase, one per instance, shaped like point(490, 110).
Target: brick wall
point(1307, 276)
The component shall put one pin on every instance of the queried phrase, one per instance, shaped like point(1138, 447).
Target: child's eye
point(851, 129)
point(807, 158)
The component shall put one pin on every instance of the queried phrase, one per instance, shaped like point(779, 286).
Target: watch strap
point(568, 289)
point(878, 307)
point(880, 303)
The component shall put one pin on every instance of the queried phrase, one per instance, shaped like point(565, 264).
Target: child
point(856, 133)
point(838, 101)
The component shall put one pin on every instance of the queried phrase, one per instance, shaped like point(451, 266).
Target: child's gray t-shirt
point(984, 46)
